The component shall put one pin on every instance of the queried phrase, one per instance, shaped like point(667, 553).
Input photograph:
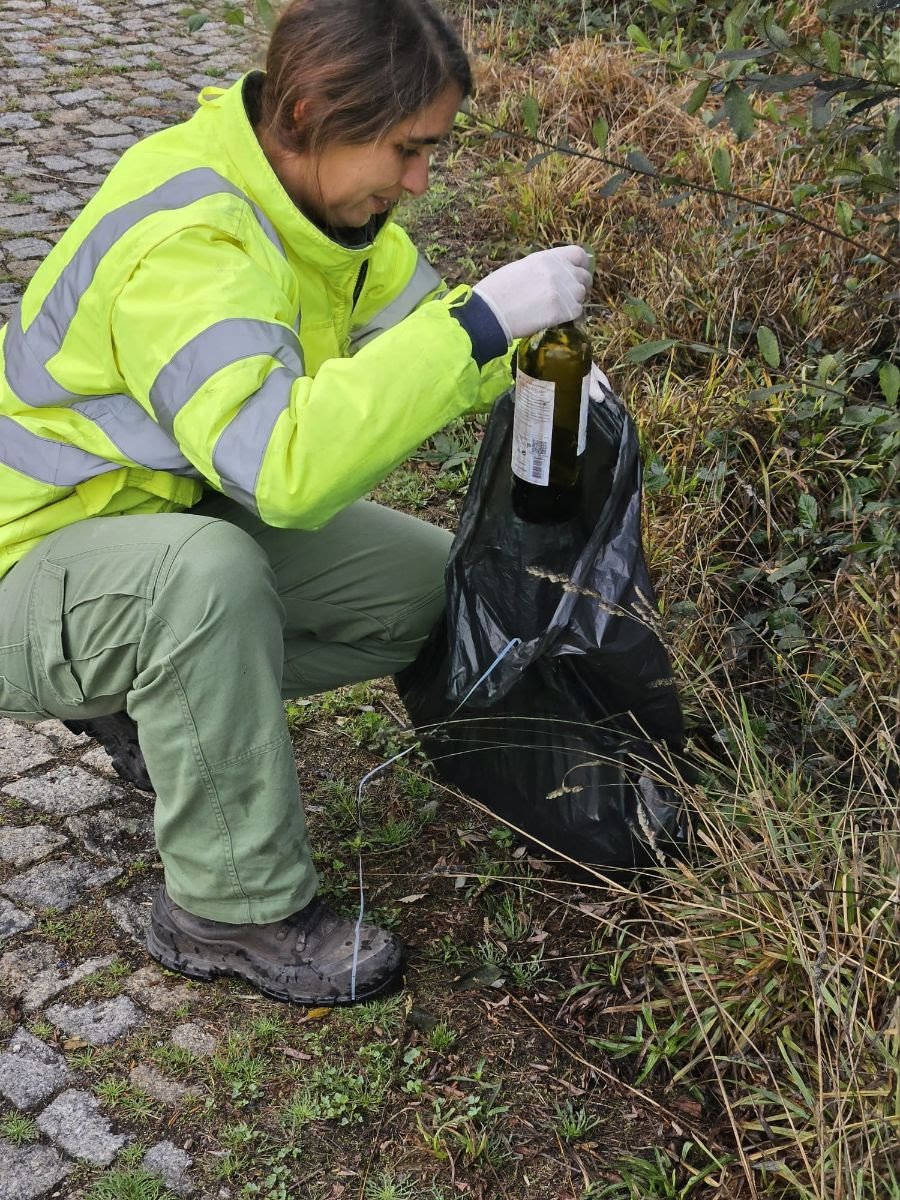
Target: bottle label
point(583, 415)
point(533, 429)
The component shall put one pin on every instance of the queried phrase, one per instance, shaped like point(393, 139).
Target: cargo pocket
point(45, 624)
point(18, 704)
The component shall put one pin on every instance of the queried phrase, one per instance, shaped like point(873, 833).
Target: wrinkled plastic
point(574, 734)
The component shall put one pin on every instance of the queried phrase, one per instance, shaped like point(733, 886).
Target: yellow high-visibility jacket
point(193, 329)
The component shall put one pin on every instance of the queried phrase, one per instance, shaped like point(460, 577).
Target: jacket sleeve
point(205, 341)
point(414, 284)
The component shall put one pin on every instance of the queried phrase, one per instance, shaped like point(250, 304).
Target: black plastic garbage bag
point(573, 735)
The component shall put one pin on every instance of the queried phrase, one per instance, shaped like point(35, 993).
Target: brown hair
point(361, 65)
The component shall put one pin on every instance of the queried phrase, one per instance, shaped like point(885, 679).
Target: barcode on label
point(539, 449)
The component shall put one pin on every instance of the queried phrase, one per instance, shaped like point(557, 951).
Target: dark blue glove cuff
point(486, 333)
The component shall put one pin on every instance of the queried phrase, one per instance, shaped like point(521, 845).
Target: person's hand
point(598, 383)
point(543, 289)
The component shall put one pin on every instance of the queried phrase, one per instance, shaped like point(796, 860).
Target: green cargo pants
point(199, 624)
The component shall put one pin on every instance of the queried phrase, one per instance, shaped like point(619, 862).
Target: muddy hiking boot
point(118, 737)
point(305, 959)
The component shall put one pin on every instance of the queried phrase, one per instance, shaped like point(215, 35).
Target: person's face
point(345, 185)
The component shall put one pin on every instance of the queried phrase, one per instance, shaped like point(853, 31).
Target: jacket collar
point(298, 232)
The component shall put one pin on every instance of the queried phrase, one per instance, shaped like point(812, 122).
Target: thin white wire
point(377, 771)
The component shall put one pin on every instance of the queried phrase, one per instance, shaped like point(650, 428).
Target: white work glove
point(543, 289)
point(598, 383)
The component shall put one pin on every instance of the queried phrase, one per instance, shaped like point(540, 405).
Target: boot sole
point(197, 968)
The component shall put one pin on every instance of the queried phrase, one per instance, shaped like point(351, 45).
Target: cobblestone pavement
point(79, 82)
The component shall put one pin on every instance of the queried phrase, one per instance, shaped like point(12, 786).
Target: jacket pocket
point(45, 623)
point(18, 704)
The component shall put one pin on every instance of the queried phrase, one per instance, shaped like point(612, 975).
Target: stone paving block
point(30, 1070)
point(30, 222)
point(17, 120)
point(99, 158)
point(60, 202)
point(144, 125)
point(27, 247)
point(73, 1121)
point(121, 142)
point(24, 269)
point(151, 989)
point(58, 884)
point(196, 1039)
point(160, 1087)
point(81, 96)
point(99, 1023)
point(12, 920)
point(167, 1160)
point(101, 832)
point(28, 844)
point(35, 974)
point(100, 761)
point(106, 128)
point(132, 916)
point(65, 790)
point(61, 737)
point(20, 749)
point(162, 83)
point(28, 1172)
point(60, 162)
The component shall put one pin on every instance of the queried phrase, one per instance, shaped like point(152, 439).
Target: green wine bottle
point(550, 424)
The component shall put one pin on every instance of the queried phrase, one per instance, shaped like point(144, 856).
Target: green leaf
point(737, 56)
point(820, 111)
point(612, 185)
point(777, 36)
point(791, 568)
point(697, 96)
point(639, 310)
point(889, 378)
point(862, 415)
point(843, 214)
point(740, 114)
point(721, 168)
point(600, 130)
point(196, 21)
point(807, 510)
point(768, 346)
point(536, 159)
point(531, 114)
point(637, 35)
point(234, 16)
point(266, 14)
point(639, 354)
point(639, 160)
point(831, 44)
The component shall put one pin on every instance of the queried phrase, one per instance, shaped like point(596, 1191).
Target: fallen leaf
point(420, 1019)
point(290, 1052)
point(486, 976)
point(316, 1014)
point(74, 1043)
point(413, 898)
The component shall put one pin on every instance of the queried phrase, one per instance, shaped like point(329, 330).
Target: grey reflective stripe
point(240, 450)
point(210, 351)
point(266, 225)
point(424, 281)
point(136, 434)
point(46, 460)
point(26, 375)
point(28, 353)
